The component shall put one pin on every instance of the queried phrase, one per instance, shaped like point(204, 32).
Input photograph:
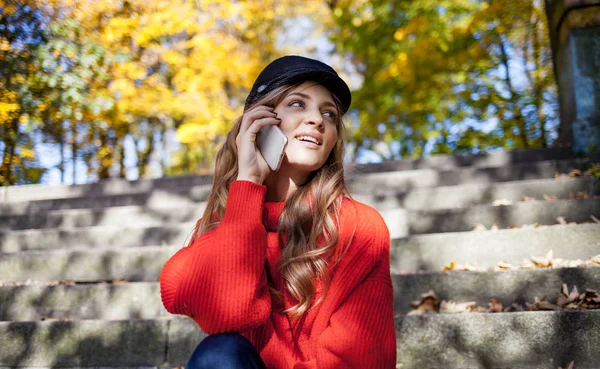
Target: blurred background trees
point(119, 86)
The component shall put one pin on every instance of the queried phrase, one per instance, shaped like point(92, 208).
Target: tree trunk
point(513, 96)
point(537, 83)
point(74, 148)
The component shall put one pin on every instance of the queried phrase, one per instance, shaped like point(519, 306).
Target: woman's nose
point(315, 120)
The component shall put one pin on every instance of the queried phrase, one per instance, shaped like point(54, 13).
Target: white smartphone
point(271, 142)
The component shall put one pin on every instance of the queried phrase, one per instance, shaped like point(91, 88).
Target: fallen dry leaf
point(569, 365)
point(479, 227)
point(542, 304)
point(575, 173)
point(550, 198)
point(502, 202)
point(428, 304)
point(561, 220)
point(494, 306)
point(527, 198)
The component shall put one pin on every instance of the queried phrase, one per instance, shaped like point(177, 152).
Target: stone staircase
point(79, 264)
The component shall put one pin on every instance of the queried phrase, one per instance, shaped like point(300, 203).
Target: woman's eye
point(332, 115)
point(300, 103)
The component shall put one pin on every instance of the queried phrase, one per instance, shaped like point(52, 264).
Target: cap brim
point(333, 83)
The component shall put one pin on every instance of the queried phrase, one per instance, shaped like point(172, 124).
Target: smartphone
point(271, 142)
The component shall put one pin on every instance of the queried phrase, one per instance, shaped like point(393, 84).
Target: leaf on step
point(502, 202)
point(513, 307)
point(544, 261)
point(561, 220)
point(494, 306)
point(542, 304)
point(550, 198)
point(595, 259)
point(579, 195)
point(451, 307)
point(596, 220)
point(556, 175)
point(503, 265)
point(569, 365)
point(479, 227)
point(494, 227)
point(429, 304)
point(453, 267)
point(527, 198)
point(575, 173)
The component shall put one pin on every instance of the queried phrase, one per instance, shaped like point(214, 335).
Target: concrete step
point(80, 212)
point(90, 301)
point(141, 300)
point(483, 160)
point(136, 226)
point(506, 286)
point(392, 182)
point(130, 263)
point(416, 253)
point(517, 214)
point(155, 199)
point(164, 343)
point(124, 216)
point(430, 252)
point(410, 222)
point(375, 185)
point(460, 196)
point(95, 237)
point(525, 340)
point(443, 162)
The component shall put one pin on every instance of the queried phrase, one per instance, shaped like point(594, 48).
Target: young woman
point(284, 269)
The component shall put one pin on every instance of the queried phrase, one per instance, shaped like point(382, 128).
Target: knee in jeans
point(220, 351)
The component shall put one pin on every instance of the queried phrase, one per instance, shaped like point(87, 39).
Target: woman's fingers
point(262, 111)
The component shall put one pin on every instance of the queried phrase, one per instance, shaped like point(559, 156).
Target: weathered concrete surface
point(150, 200)
point(141, 300)
point(449, 197)
point(118, 186)
point(574, 34)
point(131, 227)
point(119, 301)
point(516, 214)
point(510, 286)
point(392, 182)
point(95, 237)
point(132, 264)
point(501, 340)
point(528, 340)
point(487, 248)
point(372, 184)
point(421, 252)
point(491, 159)
point(454, 199)
point(96, 343)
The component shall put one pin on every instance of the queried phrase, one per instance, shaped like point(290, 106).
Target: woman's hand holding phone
point(251, 164)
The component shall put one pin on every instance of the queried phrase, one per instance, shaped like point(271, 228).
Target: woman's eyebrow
point(326, 103)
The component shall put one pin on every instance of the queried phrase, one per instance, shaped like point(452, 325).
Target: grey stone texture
point(488, 248)
point(527, 340)
point(575, 37)
point(113, 238)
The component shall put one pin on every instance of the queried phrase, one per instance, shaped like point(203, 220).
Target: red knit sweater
point(221, 283)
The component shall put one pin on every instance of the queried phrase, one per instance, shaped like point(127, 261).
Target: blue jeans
point(225, 351)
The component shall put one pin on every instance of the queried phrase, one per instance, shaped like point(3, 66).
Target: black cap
point(292, 69)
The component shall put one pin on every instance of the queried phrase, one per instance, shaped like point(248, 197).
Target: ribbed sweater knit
point(220, 281)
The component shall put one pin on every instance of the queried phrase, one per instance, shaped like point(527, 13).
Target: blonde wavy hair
point(308, 225)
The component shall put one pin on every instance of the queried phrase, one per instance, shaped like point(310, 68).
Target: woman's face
point(308, 119)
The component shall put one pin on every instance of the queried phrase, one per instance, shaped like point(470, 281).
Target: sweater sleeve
point(220, 280)
point(361, 332)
